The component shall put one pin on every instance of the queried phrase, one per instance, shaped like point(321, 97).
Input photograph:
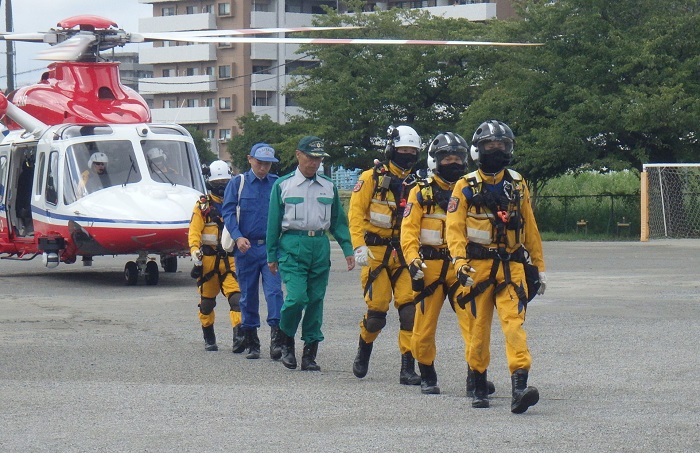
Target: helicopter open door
point(16, 179)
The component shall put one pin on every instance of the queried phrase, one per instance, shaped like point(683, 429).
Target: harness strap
point(430, 289)
point(392, 245)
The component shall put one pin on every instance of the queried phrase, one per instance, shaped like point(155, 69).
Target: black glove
point(463, 275)
point(196, 272)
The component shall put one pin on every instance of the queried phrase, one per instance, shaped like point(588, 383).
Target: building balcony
point(186, 84)
point(178, 54)
point(181, 22)
point(185, 115)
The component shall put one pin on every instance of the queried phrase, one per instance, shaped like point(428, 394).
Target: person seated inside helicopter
point(96, 176)
point(159, 168)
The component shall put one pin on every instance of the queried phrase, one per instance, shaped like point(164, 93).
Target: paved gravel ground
point(88, 364)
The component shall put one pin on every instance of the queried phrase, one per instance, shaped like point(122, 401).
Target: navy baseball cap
point(263, 152)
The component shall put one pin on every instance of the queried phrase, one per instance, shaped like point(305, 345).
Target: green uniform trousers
point(305, 264)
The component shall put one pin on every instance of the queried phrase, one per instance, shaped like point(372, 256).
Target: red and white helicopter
point(53, 203)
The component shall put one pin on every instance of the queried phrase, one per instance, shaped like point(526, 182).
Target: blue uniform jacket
point(254, 202)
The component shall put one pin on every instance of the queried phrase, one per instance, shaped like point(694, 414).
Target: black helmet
point(444, 145)
point(492, 131)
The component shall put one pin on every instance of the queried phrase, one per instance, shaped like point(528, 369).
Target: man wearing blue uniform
point(245, 210)
point(303, 207)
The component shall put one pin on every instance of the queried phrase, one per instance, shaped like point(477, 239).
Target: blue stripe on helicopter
point(53, 215)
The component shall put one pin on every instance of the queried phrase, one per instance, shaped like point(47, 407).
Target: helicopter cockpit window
point(50, 192)
point(173, 162)
point(92, 166)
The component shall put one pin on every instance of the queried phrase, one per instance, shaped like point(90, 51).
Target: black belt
point(478, 252)
point(311, 233)
point(431, 253)
point(375, 239)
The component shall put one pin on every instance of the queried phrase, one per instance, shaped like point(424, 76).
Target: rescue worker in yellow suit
point(425, 249)
point(492, 234)
point(376, 209)
point(214, 268)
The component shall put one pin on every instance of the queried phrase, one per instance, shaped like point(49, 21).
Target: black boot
point(523, 396)
point(428, 377)
point(239, 344)
point(308, 359)
point(361, 364)
point(253, 344)
point(408, 374)
point(470, 384)
point(209, 338)
point(287, 343)
point(481, 390)
point(275, 347)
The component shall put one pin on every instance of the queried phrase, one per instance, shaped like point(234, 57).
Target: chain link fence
point(672, 195)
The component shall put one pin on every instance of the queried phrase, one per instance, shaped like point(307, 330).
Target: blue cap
point(263, 152)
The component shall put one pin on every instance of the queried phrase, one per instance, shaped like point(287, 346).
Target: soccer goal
point(670, 201)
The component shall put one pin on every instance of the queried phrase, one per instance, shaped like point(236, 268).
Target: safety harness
point(385, 181)
point(210, 213)
point(505, 215)
point(433, 195)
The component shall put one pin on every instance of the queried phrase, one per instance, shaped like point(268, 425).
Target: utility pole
point(10, 47)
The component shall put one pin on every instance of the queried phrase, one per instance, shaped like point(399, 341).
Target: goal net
point(670, 201)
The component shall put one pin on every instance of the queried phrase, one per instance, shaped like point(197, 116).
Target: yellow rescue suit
point(491, 227)
point(423, 237)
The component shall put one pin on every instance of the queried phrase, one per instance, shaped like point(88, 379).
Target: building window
point(289, 101)
point(168, 11)
point(225, 72)
point(224, 134)
point(192, 71)
point(225, 103)
point(263, 98)
point(262, 68)
point(207, 8)
point(224, 9)
point(191, 10)
point(192, 103)
point(169, 104)
point(167, 72)
point(209, 70)
point(209, 102)
point(210, 133)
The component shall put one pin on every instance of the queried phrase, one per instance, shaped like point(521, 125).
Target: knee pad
point(206, 306)
point(233, 301)
point(407, 313)
point(375, 321)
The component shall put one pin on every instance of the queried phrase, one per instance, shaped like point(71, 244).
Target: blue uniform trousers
point(250, 266)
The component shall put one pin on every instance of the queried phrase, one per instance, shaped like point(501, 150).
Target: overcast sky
point(40, 15)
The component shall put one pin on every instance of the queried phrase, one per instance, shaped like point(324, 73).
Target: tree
point(202, 146)
point(616, 84)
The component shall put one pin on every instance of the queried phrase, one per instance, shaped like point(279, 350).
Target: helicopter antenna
point(10, 47)
point(179, 109)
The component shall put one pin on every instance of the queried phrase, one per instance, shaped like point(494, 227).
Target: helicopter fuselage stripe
point(81, 219)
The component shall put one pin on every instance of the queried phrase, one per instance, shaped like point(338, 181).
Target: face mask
point(404, 161)
point(451, 172)
point(493, 163)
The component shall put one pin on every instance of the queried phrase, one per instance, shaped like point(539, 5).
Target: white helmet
point(155, 153)
point(98, 157)
point(407, 136)
point(219, 171)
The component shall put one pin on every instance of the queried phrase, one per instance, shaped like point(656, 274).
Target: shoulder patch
point(358, 185)
point(407, 209)
point(453, 204)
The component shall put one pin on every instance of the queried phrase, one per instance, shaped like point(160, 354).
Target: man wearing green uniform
point(303, 207)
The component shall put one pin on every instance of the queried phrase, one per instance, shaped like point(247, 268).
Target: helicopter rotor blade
point(69, 50)
point(178, 36)
point(358, 41)
point(25, 37)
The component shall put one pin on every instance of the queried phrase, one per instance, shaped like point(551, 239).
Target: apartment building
point(209, 86)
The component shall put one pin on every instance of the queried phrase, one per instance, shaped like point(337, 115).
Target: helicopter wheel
point(169, 263)
point(131, 273)
point(151, 275)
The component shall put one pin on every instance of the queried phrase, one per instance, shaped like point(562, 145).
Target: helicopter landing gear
point(151, 274)
point(169, 263)
point(131, 273)
point(142, 266)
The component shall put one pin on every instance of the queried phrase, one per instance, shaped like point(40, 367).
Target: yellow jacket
point(372, 212)
point(423, 219)
point(467, 223)
point(203, 229)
